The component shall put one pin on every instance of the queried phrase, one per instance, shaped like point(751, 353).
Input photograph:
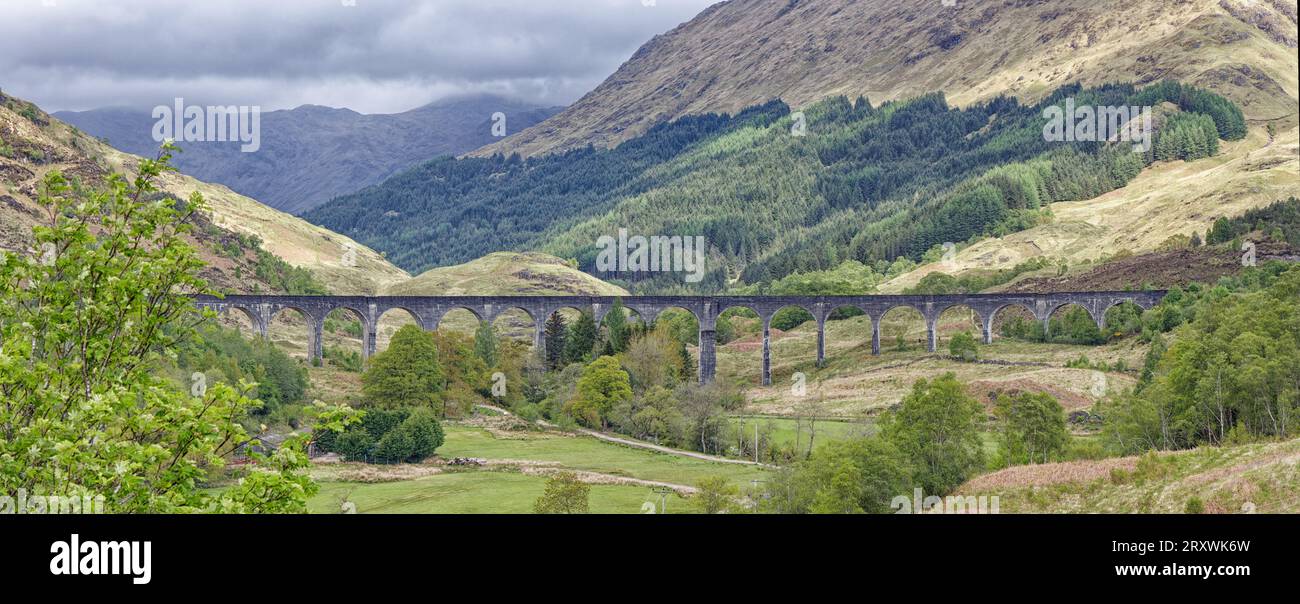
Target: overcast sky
point(378, 56)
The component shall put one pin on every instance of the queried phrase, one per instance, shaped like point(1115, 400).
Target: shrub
point(389, 436)
point(1194, 506)
point(354, 445)
point(1119, 476)
point(564, 494)
point(379, 422)
point(715, 496)
point(425, 432)
point(790, 317)
point(395, 447)
point(962, 346)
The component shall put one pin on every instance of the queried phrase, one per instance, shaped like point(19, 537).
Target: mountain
point(696, 135)
point(249, 247)
point(312, 153)
point(865, 183)
point(744, 52)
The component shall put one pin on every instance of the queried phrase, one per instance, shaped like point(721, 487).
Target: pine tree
point(581, 340)
point(617, 334)
point(688, 363)
point(556, 332)
point(485, 344)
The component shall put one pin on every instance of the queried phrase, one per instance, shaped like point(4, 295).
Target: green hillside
point(776, 193)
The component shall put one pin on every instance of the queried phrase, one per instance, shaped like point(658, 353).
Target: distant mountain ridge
point(311, 153)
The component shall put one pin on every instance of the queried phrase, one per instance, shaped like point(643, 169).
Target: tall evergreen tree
point(485, 344)
point(616, 335)
point(556, 333)
point(581, 340)
point(687, 362)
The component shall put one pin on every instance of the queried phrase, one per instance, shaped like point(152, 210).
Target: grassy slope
point(73, 152)
point(293, 239)
point(1226, 480)
point(1167, 199)
point(506, 273)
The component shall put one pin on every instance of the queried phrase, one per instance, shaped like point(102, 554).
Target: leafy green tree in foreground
point(938, 429)
point(407, 374)
point(564, 494)
point(603, 385)
point(714, 495)
point(1234, 368)
point(87, 319)
point(842, 477)
point(1033, 427)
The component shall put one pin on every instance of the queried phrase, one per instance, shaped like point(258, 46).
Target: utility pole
point(663, 498)
point(755, 442)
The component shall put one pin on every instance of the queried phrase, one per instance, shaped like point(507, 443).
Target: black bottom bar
point(661, 552)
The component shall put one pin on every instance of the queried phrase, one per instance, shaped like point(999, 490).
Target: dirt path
point(669, 450)
point(644, 445)
point(589, 477)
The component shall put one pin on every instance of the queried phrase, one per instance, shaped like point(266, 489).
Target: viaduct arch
point(429, 311)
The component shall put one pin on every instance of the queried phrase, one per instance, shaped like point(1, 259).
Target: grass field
point(784, 430)
point(474, 492)
point(588, 454)
point(503, 489)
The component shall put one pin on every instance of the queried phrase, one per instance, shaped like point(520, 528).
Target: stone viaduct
point(429, 310)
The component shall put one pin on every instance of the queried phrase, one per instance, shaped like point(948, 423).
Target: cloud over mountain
point(371, 56)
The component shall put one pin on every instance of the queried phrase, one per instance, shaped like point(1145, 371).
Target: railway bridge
point(428, 311)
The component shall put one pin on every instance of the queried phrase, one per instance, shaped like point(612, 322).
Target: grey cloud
point(376, 56)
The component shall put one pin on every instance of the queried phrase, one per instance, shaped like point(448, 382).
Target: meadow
point(514, 476)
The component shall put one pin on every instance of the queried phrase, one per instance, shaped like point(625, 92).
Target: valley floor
point(513, 475)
